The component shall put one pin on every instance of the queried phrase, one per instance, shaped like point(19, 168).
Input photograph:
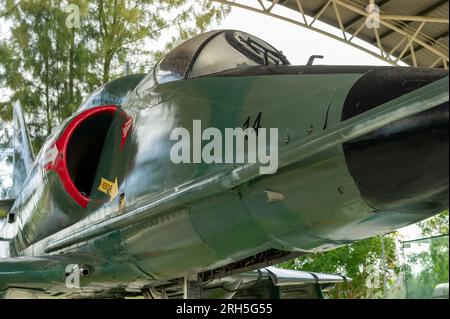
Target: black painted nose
point(402, 167)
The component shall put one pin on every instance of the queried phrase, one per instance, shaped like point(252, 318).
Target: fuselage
point(167, 220)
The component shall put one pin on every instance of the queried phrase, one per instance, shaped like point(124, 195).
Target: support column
point(152, 293)
point(192, 287)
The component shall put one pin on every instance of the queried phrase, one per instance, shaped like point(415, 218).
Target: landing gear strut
point(152, 293)
point(192, 287)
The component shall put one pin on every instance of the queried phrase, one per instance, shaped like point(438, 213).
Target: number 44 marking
point(256, 124)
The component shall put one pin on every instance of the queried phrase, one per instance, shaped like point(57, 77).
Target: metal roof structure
point(412, 31)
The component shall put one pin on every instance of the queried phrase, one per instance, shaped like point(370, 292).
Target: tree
point(426, 267)
point(361, 261)
point(36, 66)
point(121, 27)
point(436, 225)
point(432, 262)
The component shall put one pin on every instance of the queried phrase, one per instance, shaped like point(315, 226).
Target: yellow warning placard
point(109, 188)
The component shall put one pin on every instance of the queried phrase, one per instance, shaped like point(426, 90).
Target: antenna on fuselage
point(312, 58)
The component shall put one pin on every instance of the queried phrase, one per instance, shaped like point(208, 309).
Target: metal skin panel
point(223, 222)
point(113, 92)
point(190, 230)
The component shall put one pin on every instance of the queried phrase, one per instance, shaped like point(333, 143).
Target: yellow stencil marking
point(109, 188)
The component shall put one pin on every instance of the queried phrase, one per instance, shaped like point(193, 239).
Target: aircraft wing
point(25, 271)
point(29, 277)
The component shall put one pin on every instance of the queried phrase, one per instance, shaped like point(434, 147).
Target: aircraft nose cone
point(402, 167)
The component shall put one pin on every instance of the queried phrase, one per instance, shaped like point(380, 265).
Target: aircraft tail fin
point(23, 153)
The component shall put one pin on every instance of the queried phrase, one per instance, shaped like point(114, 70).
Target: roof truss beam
point(414, 38)
point(358, 18)
point(423, 13)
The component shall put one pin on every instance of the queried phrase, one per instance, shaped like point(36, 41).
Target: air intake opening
point(85, 146)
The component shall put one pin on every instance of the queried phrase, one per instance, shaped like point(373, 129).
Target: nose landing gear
point(152, 293)
point(192, 287)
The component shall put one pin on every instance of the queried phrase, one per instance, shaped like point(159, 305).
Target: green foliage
point(50, 67)
point(359, 261)
point(355, 261)
point(436, 225)
point(432, 262)
point(426, 269)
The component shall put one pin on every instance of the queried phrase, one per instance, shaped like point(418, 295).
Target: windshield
point(234, 49)
point(177, 62)
point(255, 48)
point(215, 52)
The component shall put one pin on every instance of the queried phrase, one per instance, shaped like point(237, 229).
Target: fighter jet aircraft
point(105, 210)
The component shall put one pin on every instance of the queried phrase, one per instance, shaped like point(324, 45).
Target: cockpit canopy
point(205, 54)
point(215, 52)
